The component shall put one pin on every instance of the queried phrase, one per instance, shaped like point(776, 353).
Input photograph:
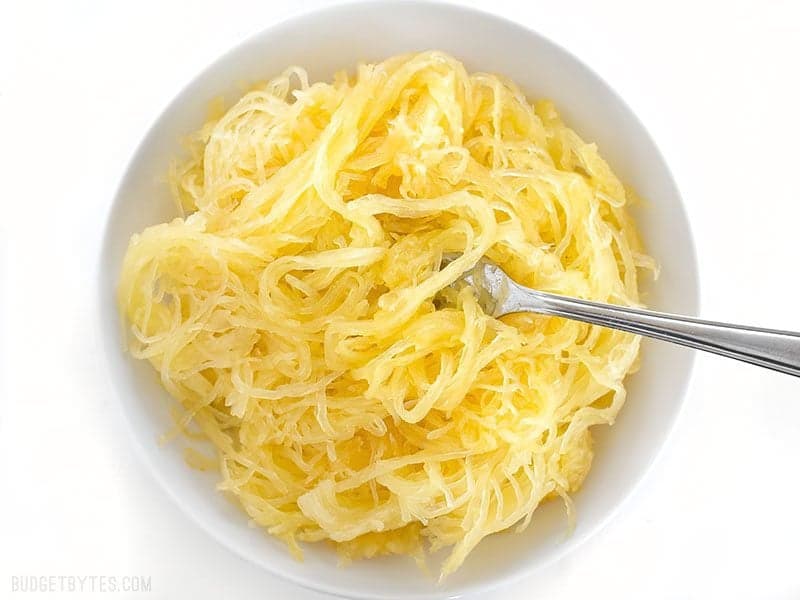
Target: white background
point(716, 83)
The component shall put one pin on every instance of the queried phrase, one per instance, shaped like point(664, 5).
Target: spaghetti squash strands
point(297, 312)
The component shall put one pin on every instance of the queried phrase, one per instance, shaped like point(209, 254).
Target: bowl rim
point(107, 309)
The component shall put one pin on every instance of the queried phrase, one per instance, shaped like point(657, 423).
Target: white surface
point(716, 85)
point(325, 41)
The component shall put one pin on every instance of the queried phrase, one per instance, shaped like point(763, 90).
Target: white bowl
point(328, 40)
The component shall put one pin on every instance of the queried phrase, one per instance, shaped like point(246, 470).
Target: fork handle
point(771, 348)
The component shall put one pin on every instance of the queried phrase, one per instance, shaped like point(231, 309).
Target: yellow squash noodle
point(303, 316)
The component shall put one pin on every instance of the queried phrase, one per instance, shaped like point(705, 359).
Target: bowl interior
point(327, 41)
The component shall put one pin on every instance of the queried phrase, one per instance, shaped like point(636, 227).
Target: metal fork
point(774, 349)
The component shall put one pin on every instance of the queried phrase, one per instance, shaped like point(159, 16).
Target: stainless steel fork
point(771, 348)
